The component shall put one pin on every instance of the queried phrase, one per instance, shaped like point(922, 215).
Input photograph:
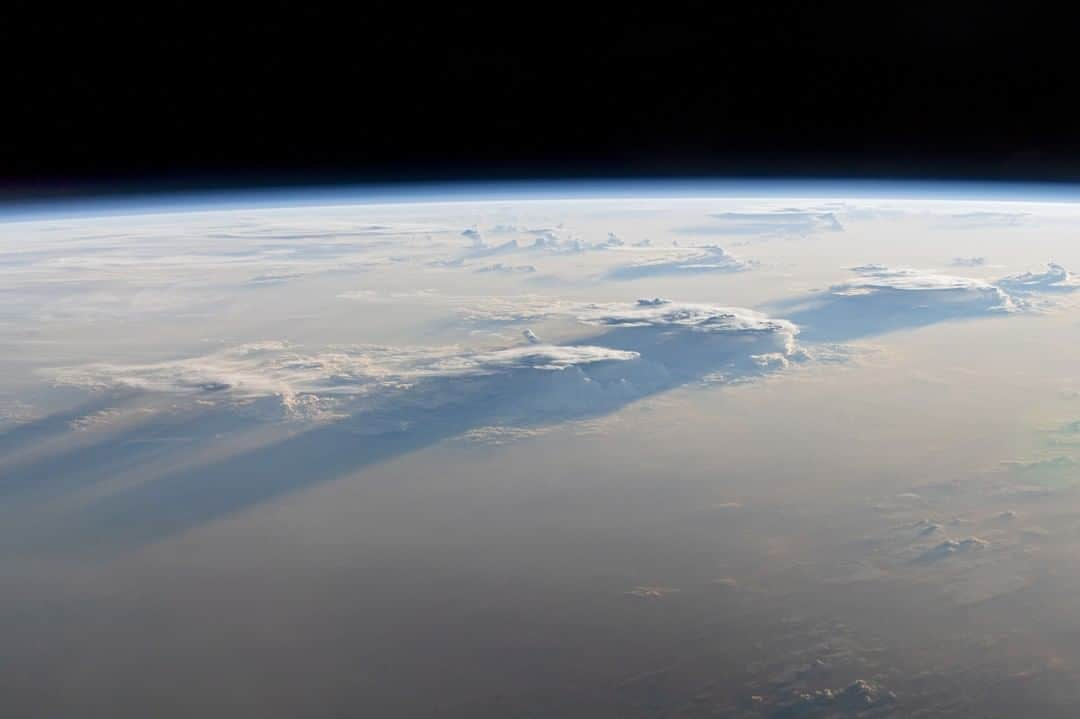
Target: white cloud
point(498, 435)
point(645, 347)
point(883, 299)
point(533, 356)
point(950, 547)
point(1054, 279)
point(660, 312)
point(880, 279)
point(698, 260)
point(319, 384)
point(651, 592)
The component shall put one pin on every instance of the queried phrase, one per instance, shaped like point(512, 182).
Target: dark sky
point(289, 92)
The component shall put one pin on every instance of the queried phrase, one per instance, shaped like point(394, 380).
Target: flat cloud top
point(275, 368)
point(880, 277)
point(659, 312)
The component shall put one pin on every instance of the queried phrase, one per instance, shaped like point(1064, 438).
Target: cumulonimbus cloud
point(660, 312)
point(645, 347)
point(882, 299)
point(878, 279)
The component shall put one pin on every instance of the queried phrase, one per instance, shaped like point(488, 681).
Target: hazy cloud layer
point(983, 220)
point(968, 261)
point(779, 222)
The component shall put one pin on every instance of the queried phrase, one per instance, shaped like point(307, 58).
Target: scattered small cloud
point(651, 592)
point(505, 269)
point(497, 435)
point(13, 412)
point(106, 417)
point(860, 698)
point(951, 547)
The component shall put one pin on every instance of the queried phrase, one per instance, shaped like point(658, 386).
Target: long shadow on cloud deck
point(173, 501)
point(67, 460)
point(842, 318)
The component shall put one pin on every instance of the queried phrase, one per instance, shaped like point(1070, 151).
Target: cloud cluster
point(277, 369)
point(950, 547)
point(543, 240)
point(645, 347)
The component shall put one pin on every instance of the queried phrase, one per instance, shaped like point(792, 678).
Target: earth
point(659, 452)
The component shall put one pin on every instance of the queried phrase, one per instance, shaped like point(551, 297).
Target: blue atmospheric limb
point(137, 200)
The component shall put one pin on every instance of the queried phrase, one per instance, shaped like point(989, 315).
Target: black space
point(179, 95)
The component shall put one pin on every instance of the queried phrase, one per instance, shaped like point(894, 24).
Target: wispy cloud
point(678, 262)
point(779, 222)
